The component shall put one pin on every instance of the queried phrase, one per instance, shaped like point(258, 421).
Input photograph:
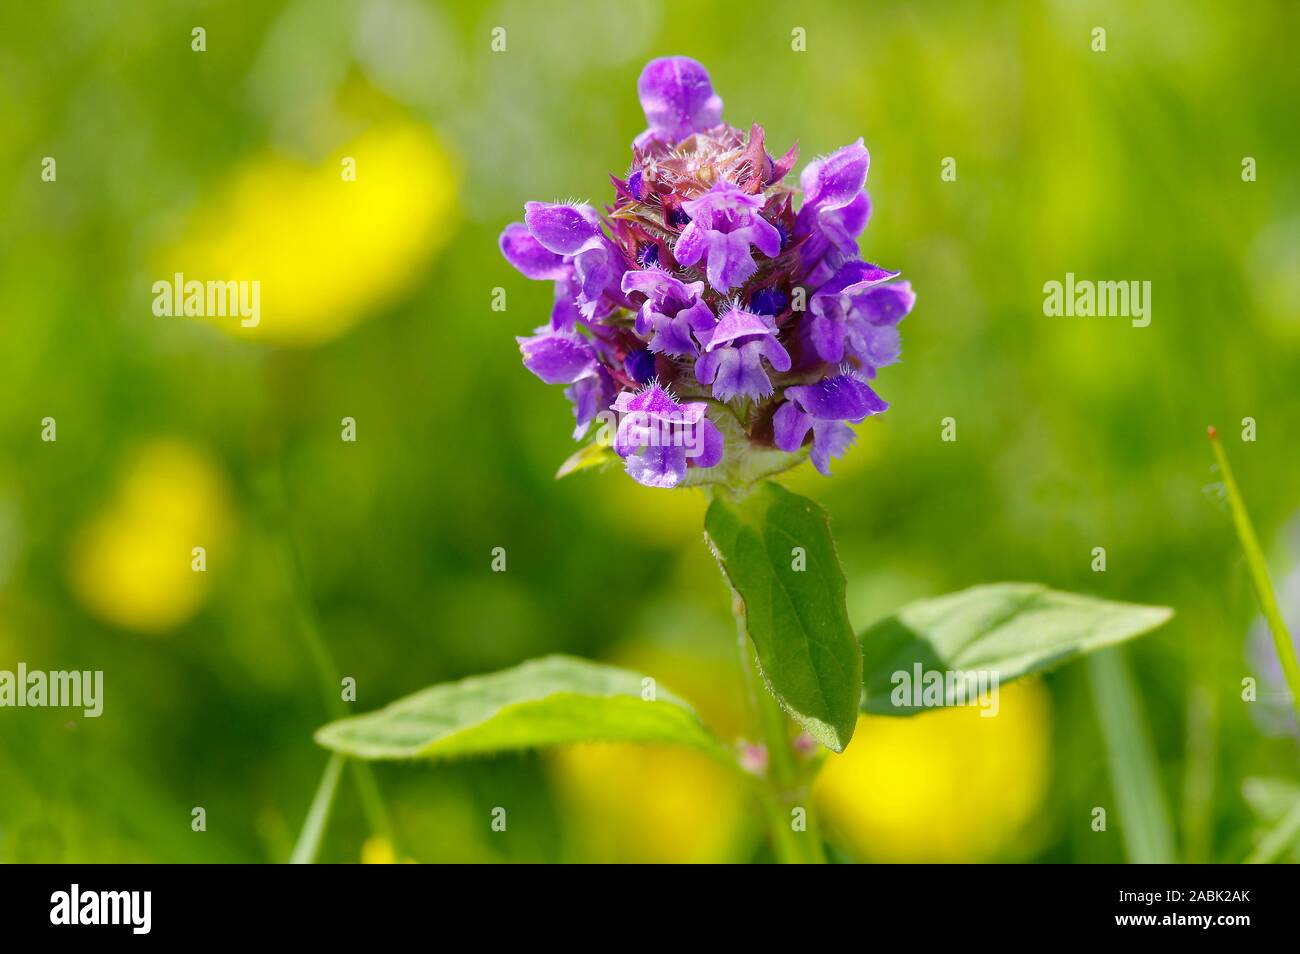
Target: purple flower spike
point(707, 277)
point(659, 438)
point(824, 407)
point(574, 232)
point(672, 311)
point(734, 352)
point(725, 221)
point(678, 100)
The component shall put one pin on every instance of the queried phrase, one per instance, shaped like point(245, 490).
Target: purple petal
point(853, 277)
point(691, 245)
point(765, 236)
point(730, 263)
point(835, 181)
point(843, 397)
point(565, 313)
point(738, 323)
point(876, 346)
point(886, 304)
point(678, 98)
point(528, 255)
point(773, 351)
point(672, 336)
point(739, 371)
point(790, 426)
point(564, 229)
point(708, 442)
point(826, 332)
point(590, 396)
point(653, 466)
point(648, 281)
point(844, 225)
point(722, 198)
point(830, 439)
point(558, 357)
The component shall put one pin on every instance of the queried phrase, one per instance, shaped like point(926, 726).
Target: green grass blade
point(1259, 575)
point(318, 816)
point(1279, 838)
point(1140, 805)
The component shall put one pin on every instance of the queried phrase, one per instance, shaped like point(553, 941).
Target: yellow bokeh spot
point(133, 563)
point(650, 804)
point(326, 249)
point(378, 850)
point(946, 786)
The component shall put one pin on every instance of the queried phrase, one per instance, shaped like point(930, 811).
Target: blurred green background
point(176, 432)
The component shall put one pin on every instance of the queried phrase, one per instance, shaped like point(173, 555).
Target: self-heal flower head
point(726, 324)
point(725, 221)
point(824, 408)
point(658, 438)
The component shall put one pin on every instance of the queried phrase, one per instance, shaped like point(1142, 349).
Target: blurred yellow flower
point(654, 804)
point(326, 248)
point(651, 804)
point(133, 564)
point(944, 786)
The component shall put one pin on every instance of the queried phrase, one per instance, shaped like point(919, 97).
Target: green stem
point(305, 851)
point(330, 685)
point(787, 785)
point(327, 673)
point(1259, 575)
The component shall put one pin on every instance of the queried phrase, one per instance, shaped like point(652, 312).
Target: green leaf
point(796, 618)
point(549, 701)
point(1012, 629)
point(594, 454)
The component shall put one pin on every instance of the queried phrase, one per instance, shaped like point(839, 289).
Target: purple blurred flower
point(824, 407)
point(725, 221)
point(659, 438)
